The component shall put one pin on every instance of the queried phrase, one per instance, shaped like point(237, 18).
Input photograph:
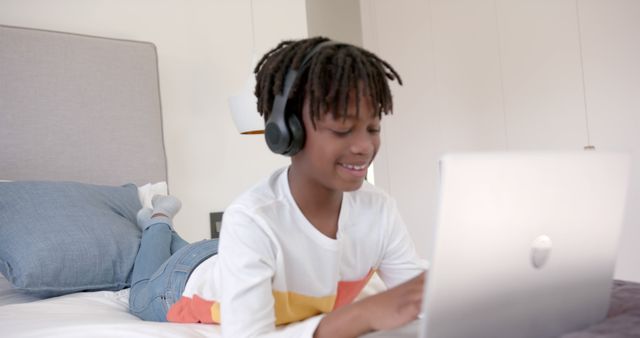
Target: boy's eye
point(341, 132)
point(374, 130)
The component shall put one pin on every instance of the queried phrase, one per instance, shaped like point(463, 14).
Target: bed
point(85, 111)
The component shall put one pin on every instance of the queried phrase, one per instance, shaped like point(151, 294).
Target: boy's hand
point(397, 306)
point(386, 310)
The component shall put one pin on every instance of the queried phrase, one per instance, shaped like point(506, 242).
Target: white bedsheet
point(86, 314)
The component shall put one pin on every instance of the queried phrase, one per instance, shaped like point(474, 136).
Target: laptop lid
point(525, 243)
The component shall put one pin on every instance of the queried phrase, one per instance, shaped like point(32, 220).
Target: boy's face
point(338, 152)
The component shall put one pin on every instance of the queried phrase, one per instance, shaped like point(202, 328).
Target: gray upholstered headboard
point(79, 108)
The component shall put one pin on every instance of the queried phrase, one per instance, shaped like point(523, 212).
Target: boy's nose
point(363, 144)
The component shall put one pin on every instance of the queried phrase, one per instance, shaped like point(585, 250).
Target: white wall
point(335, 19)
point(204, 50)
point(505, 75)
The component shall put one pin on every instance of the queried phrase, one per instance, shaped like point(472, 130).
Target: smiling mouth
point(354, 166)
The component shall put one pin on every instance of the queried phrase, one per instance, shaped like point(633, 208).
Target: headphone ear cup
point(277, 137)
point(296, 129)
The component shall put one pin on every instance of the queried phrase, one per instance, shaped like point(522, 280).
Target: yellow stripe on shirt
point(292, 307)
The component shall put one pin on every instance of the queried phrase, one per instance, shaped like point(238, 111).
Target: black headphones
point(284, 132)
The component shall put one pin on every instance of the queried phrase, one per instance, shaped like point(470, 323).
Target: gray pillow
point(63, 237)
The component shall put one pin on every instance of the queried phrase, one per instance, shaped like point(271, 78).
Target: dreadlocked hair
point(329, 79)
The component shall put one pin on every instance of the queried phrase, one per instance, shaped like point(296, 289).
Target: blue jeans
point(162, 268)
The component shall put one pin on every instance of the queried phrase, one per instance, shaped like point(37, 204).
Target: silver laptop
point(525, 245)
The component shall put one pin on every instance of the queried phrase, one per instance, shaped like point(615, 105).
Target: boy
point(298, 247)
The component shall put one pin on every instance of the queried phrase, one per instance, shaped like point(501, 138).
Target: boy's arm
point(387, 310)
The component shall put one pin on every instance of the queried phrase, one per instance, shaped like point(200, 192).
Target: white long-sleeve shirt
point(274, 267)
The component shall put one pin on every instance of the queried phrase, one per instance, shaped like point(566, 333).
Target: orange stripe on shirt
point(348, 291)
point(193, 310)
